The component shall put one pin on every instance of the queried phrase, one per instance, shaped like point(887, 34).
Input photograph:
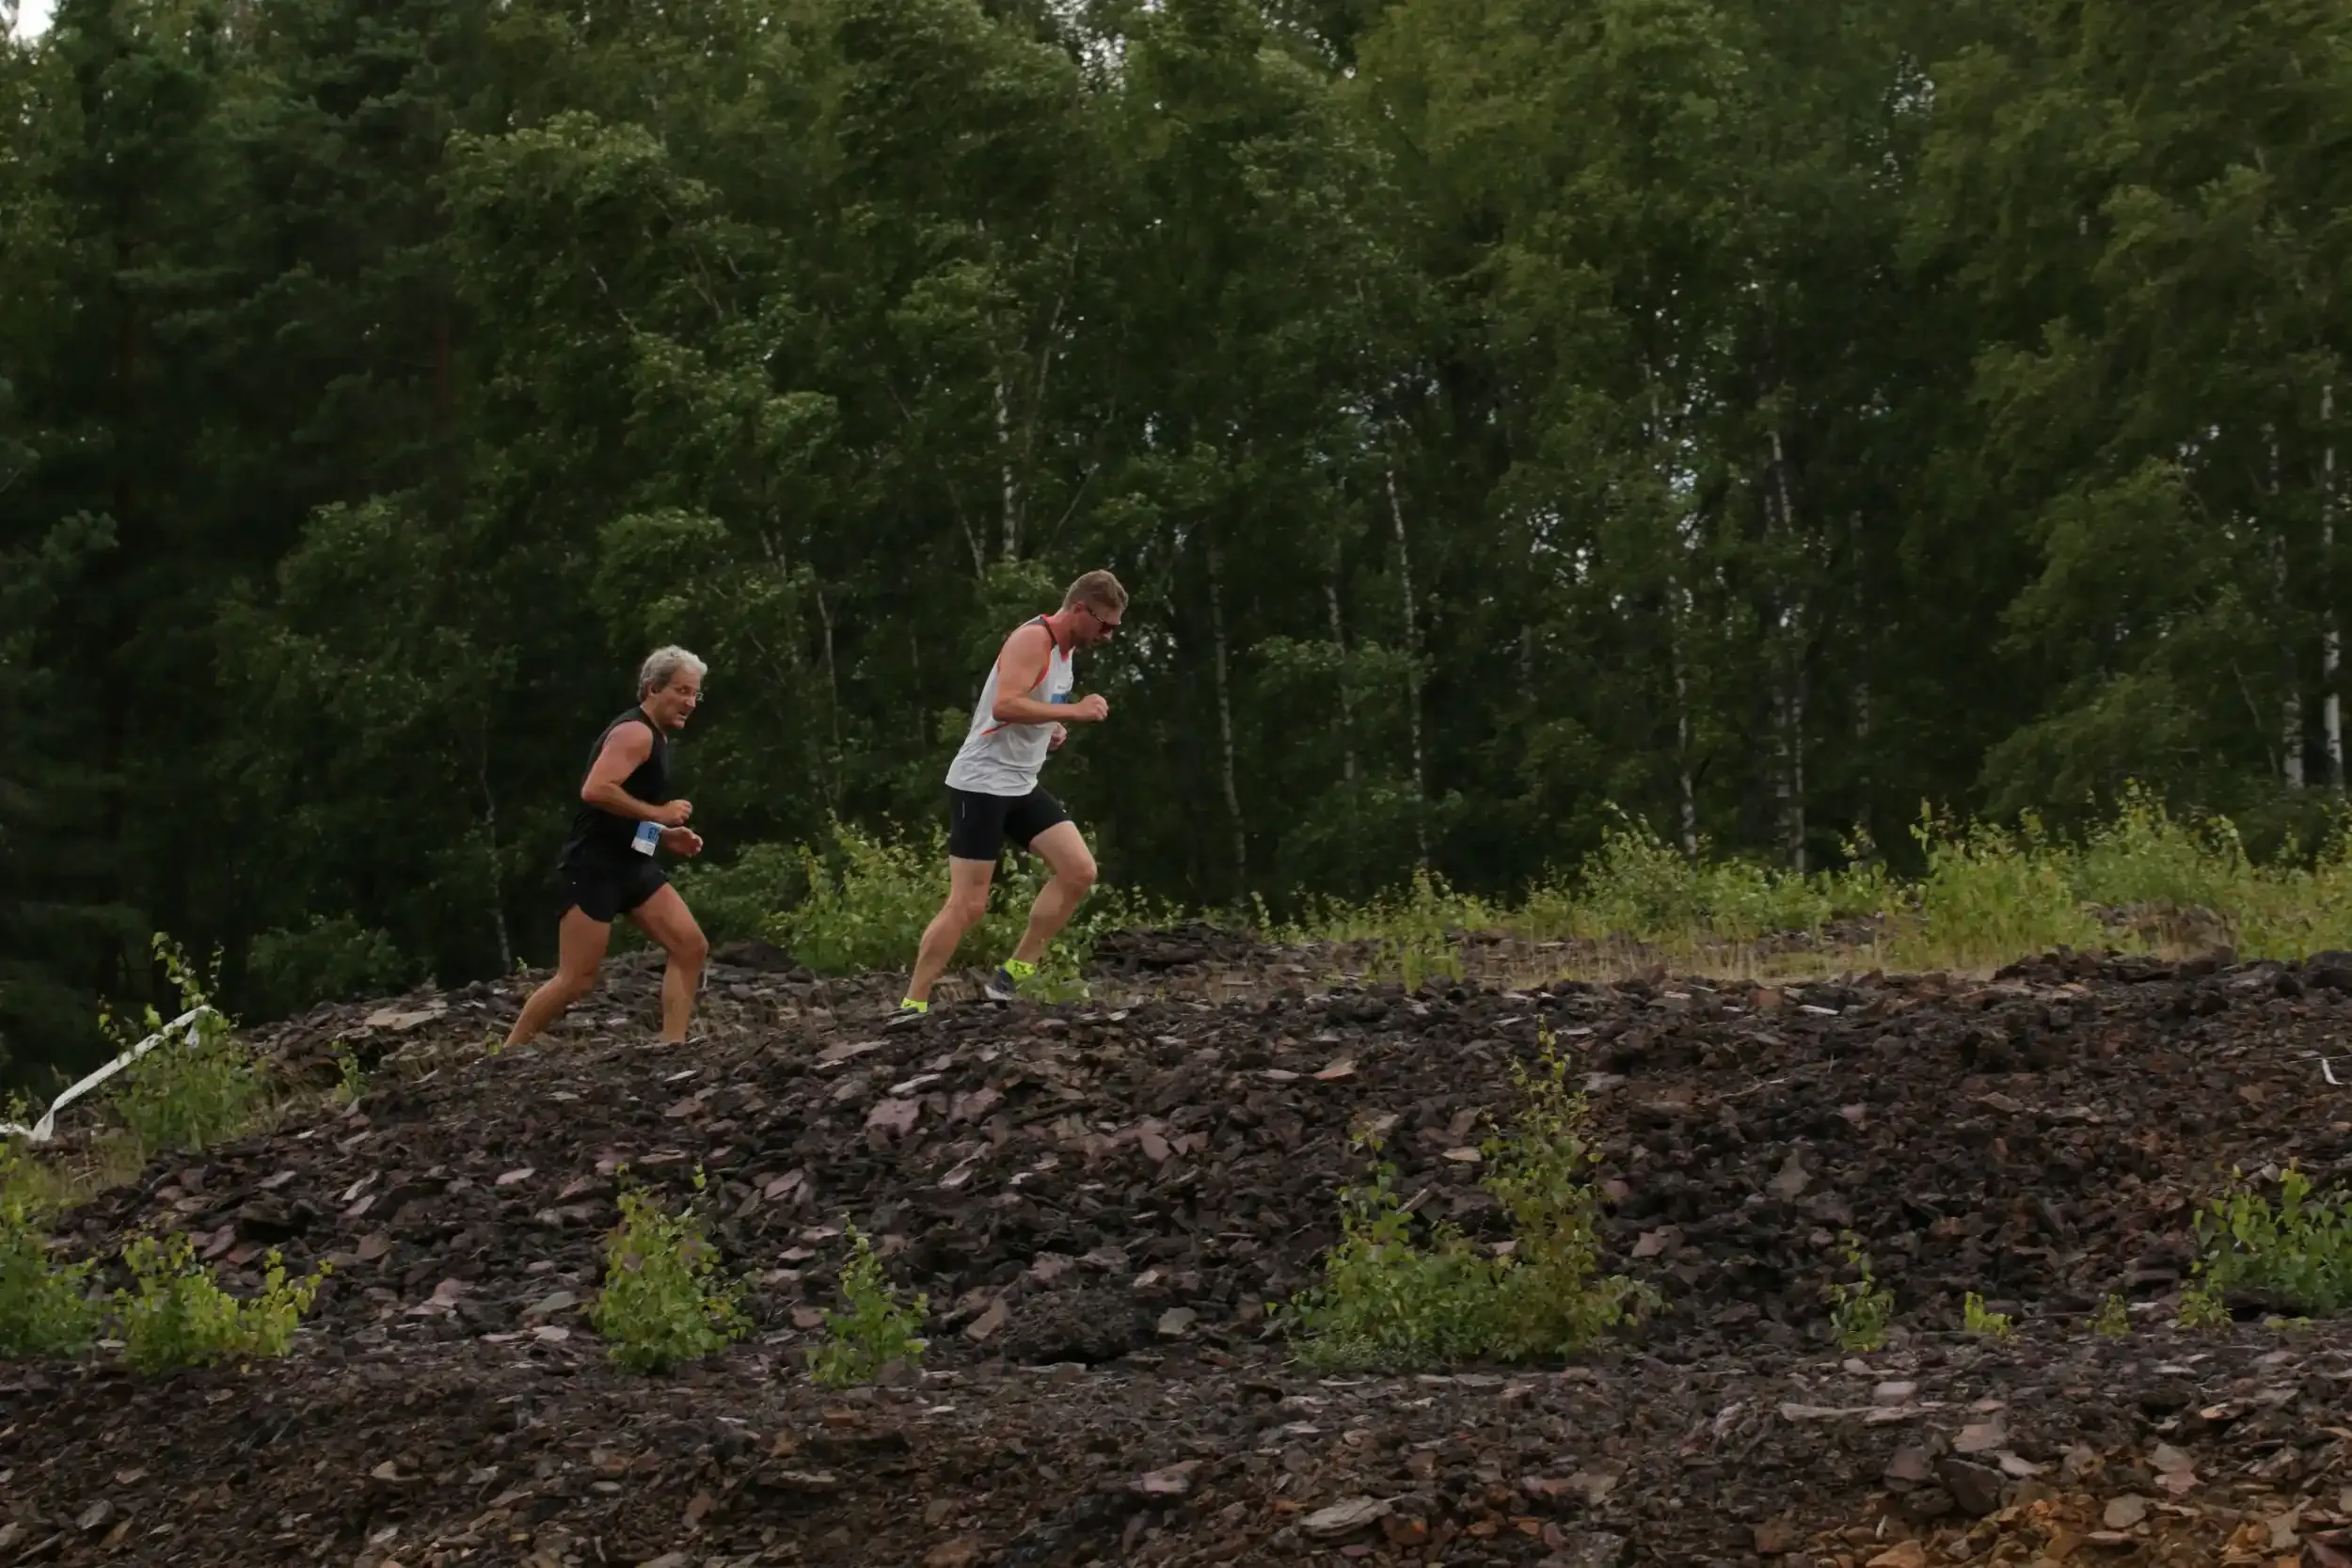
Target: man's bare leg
point(966, 905)
point(1063, 849)
point(665, 918)
point(579, 951)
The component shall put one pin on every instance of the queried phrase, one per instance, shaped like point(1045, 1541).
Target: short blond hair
point(1096, 590)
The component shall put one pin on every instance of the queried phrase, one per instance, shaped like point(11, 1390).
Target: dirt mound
point(1192, 947)
point(537, 1454)
point(1122, 1188)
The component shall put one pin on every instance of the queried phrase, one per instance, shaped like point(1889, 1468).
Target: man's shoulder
point(632, 732)
point(1028, 634)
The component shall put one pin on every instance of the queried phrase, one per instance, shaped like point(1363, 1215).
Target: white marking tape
point(46, 1128)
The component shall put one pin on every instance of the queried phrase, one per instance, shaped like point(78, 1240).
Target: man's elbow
point(1004, 713)
point(592, 794)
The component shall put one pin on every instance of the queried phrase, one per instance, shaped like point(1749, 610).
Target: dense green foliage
point(45, 1306)
point(2298, 1252)
point(1391, 1299)
point(872, 1330)
point(1762, 418)
point(179, 1316)
point(201, 1085)
point(663, 1299)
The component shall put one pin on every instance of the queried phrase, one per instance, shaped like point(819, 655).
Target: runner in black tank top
point(601, 840)
point(626, 814)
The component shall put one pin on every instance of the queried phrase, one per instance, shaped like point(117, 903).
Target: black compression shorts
point(603, 892)
point(978, 825)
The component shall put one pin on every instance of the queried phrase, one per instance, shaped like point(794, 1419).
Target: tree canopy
point(1759, 418)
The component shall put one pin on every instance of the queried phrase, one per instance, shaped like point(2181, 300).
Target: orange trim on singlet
point(1055, 643)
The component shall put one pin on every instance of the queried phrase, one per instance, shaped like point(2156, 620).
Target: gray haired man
point(624, 815)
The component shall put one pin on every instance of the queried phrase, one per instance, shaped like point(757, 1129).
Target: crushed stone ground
point(1101, 1199)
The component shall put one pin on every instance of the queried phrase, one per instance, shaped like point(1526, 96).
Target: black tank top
point(601, 839)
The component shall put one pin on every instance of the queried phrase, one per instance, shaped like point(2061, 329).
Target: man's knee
point(570, 985)
point(690, 948)
point(1078, 875)
point(964, 910)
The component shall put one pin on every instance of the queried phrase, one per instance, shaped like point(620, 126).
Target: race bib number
point(648, 837)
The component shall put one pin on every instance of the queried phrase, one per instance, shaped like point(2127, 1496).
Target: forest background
point(1758, 419)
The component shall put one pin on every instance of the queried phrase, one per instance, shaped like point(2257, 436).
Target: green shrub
point(1978, 1319)
point(197, 1089)
point(330, 959)
point(2299, 1250)
point(1743, 902)
point(1864, 887)
point(1989, 895)
point(2201, 1306)
point(663, 1302)
point(873, 1330)
point(179, 1316)
point(1993, 895)
point(1638, 886)
point(1862, 1310)
point(1386, 1301)
point(2295, 911)
point(45, 1308)
point(2113, 1320)
point(1552, 1298)
point(865, 902)
point(2142, 858)
point(1412, 932)
point(351, 1079)
point(737, 900)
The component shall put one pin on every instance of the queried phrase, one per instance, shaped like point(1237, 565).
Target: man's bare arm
point(624, 749)
point(1019, 669)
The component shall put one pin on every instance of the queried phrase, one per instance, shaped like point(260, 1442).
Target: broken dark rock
point(1978, 1489)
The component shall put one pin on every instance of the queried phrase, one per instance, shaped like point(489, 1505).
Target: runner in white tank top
point(1001, 758)
point(992, 792)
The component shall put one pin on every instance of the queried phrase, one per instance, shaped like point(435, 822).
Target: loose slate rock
point(1978, 1489)
point(1345, 1518)
point(1983, 1437)
point(1589, 1549)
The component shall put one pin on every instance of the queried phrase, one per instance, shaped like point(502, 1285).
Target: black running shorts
point(978, 825)
point(603, 892)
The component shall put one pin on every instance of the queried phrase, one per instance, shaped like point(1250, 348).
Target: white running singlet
point(997, 758)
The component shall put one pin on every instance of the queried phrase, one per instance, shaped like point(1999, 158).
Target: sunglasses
point(1095, 615)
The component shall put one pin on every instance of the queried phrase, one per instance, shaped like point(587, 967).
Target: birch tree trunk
point(490, 835)
point(1789, 694)
point(1792, 730)
point(2291, 700)
point(2331, 637)
point(1412, 675)
point(1011, 486)
point(833, 695)
point(1862, 681)
point(1225, 717)
point(1347, 677)
point(1676, 613)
